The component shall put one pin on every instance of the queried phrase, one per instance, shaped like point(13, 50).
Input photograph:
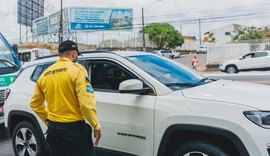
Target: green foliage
point(251, 33)
point(164, 35)
point(265, 33)
point(211, 37)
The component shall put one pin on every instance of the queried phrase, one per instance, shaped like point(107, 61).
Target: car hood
point(243, 93)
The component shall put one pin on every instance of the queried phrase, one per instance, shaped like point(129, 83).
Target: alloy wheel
point(25, 142)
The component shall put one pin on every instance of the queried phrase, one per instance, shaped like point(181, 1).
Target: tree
point(251, 33)
point(265, 33)
point(164, 35)
point(211, 37)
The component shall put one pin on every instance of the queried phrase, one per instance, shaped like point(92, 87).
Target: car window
point(107, 75)
point(7, 67)
point(261, 54)
point(38, 71)
point(166, 72)
point(248, 56)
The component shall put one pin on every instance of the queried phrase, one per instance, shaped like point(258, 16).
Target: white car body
point(151, 124)
point(258, 60)
point(164, 53)
point(202, 49)
point(175, 54)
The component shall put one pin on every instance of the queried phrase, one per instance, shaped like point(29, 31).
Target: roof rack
point(82, 52)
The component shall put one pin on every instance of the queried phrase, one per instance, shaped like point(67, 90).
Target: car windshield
point(7, 67)
point(5, 53)
point(170, 73)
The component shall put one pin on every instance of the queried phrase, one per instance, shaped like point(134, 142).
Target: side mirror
point(241, 58)
point(133, 86)
point(15, 48)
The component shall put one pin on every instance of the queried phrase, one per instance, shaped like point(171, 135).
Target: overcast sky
point(181, 13)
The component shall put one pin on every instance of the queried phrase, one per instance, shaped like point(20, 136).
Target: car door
point(127, 120)
point(246, 62)
point(262, 59)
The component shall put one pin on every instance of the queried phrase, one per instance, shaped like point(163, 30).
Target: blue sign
point(100, 19)
point(40, 26)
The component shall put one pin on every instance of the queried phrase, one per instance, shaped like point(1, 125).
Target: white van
point(28, 55)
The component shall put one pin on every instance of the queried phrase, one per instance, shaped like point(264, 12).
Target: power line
point(217, 12)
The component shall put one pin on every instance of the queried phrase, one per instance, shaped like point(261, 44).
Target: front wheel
point(231, 69)
point(26, 140)
point(200, 148)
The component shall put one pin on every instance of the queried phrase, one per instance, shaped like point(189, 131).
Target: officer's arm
point(87, 99)
point(37, 104)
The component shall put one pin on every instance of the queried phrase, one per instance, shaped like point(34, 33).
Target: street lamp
point(144, 48)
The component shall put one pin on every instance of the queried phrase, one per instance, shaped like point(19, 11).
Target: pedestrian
point(70, 100)
point(195, 62)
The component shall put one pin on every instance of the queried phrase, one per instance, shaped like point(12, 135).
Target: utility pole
point(26, 34)
point(144, 49)
point(200, 37)
point(180, 29)
point(20, 34)
point(60, 35)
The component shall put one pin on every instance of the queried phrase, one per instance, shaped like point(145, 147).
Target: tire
point(26, 141)
point(231, 69)
point(200, 148)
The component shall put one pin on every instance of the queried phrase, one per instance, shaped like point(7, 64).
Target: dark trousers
point(70, 139)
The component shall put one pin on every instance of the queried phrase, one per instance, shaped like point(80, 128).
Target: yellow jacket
point(70, 97)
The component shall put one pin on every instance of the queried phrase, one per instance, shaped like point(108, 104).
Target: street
point(5, 142)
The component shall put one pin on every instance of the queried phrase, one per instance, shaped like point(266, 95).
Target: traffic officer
point(70, 100)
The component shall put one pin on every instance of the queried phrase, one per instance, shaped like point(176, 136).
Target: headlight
point(260, 118)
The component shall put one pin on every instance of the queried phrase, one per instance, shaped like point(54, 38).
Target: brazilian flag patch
point(89, 89)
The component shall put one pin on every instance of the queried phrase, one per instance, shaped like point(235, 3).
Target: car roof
point(52, 58)
point(262, 51)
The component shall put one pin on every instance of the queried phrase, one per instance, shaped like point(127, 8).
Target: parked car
point(152, 106)
point(174, 54)
point(259, 60)
point(165, 53)
point(202, 49)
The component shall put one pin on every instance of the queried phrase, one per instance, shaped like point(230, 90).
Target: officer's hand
point(97, 135)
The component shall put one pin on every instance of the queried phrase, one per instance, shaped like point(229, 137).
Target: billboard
point(100, 19)
point(28, 10)
point(40, 26)
point(50, 24)
point(54, 21)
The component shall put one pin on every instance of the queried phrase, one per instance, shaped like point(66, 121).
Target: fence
point(218, 53)
point(102, 39)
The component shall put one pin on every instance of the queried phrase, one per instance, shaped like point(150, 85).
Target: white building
point(223, 34)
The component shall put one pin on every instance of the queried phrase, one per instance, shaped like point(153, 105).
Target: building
point(223, 34)
point(190, 43)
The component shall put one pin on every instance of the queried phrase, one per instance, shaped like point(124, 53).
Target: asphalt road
point(187, 59)
point(262, 79)
point(6, 143)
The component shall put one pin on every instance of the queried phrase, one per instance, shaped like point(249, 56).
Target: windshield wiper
point(202, 80)
point(181, 84)
point(205, 79)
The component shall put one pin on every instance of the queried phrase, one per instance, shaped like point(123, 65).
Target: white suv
point(151, 106)
point(259, 60)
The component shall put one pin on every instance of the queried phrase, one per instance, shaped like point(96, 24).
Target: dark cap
point(67, 46)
